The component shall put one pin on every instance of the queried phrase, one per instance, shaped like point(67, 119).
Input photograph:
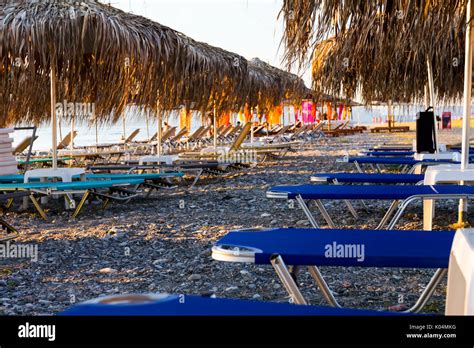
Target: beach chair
point(344, 248)
point(286, 250)
point(191, 167)
point(369, 178)
point(193, 137)
point(406, 164)
point(66, 141)
point(239, 150)
point(189, 305)
point(401, 195)
point(224, 132)
point(175, 141)
point(23, 145)
point(318, 132)
point(151, 181)
point(131, 137)
point(106, 190)
point(280, 134)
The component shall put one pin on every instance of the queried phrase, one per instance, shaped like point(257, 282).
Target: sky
point(247, 27)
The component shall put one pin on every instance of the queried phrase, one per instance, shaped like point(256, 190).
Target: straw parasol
point(378, 49)
point(95, 53)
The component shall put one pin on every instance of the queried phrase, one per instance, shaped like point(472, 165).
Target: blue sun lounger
point(346, 248)
point(67, 189)
point(401, 195)
point(93, 176)
point(388, 153)
point(188, 305)
point(408, 164)
point(369, 178)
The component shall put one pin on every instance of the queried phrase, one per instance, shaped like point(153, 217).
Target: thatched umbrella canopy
point(271, 85)
point(379, 48)
point(108, 57)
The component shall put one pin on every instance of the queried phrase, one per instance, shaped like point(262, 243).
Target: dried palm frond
point(113, 59)
point(378, 48)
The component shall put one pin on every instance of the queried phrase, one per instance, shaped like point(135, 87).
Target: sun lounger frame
point(288, 276)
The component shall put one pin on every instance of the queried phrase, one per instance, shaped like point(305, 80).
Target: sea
point(113, 133)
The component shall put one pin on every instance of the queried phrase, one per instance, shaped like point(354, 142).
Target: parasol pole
point(251, 127)
point(147, 124)
point(123, 127)
point(96, 131)
point(158, 130)
point(73, 121)
point(215, 126)
point(466, 124)
point(432, 100)
point(54, 120)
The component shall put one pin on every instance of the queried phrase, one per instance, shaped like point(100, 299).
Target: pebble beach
point(162, 243)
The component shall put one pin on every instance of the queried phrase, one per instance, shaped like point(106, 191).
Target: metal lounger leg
point(348, 203)
point(325, 213)
point(198, 176)
point(351, 209)
point(429, 291)
point(307, 212)
point(401, 209)
point(106, 203)
point(81, 204)
point(38, 208)
point(9, 203)
point(323, 286)
point(388, 214)
point(358, 167)
point(287, 280)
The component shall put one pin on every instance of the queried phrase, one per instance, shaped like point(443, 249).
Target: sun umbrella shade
point(378, 48)
point(107, 57)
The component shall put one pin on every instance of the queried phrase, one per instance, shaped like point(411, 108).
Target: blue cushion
point(390, 153)
point(383, 178)
point(376, 192)
point(394, 160)
point(75, 185)
point(184, 305)
point(322, 247)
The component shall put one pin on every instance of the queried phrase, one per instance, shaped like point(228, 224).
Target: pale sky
point(247, 27)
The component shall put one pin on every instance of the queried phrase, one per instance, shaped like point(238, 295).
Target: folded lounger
point(67, 189)
point(187, 305)
point(402, 196)
point(347, 248)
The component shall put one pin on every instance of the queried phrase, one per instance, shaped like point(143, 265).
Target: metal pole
point(251, 127)
point(96, 132)
point(215, 126)
point(432, 100)
point(73, 120)
point(466, 121)
point(124, 135)
point(54, 119)
point(147, 124)
point(158, 129)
